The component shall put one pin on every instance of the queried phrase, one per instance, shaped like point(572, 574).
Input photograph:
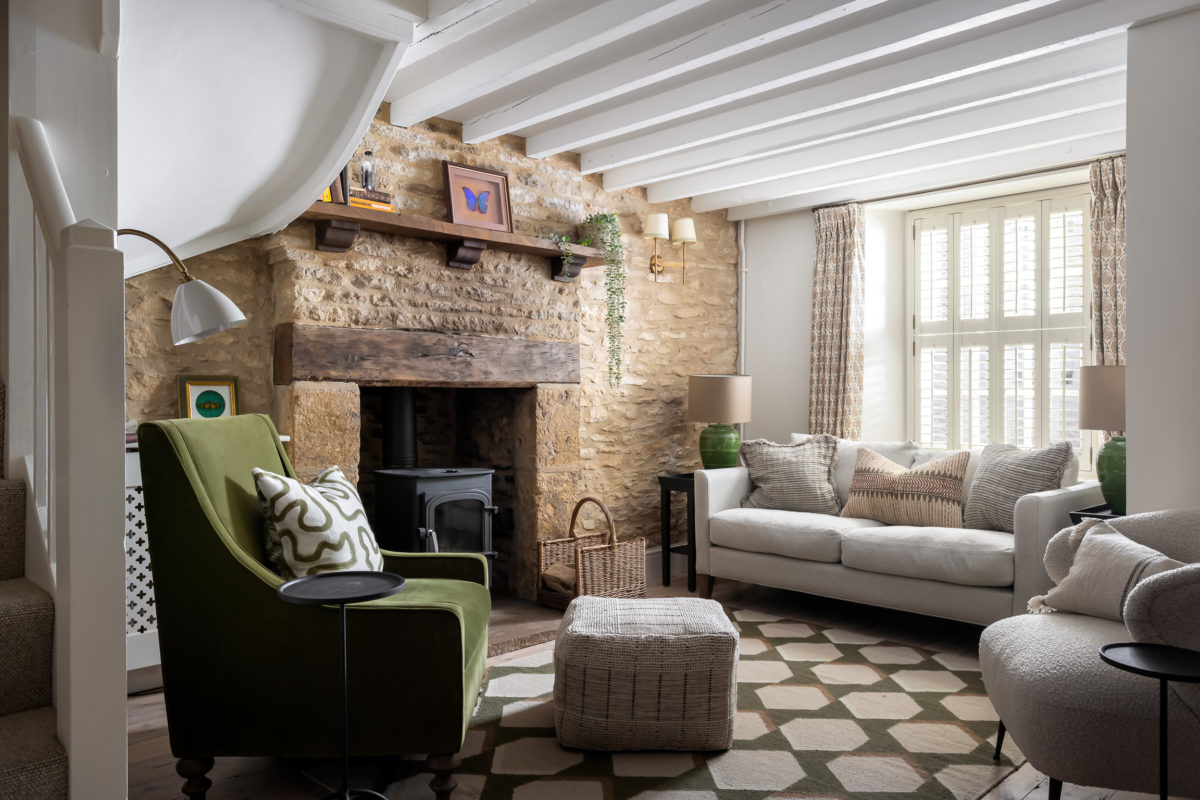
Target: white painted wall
point(779, 256)
point(1163, 168)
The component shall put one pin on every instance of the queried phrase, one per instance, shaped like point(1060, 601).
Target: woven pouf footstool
point(643, 674)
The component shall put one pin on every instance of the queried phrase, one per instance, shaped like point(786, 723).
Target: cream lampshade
point(655, 227)
point(683, 231)
point(721, 400)
point(1102, 408)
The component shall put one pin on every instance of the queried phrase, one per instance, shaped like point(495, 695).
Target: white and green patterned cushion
point(315, 527)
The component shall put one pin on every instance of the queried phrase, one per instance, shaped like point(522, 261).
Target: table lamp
point(721, 400)
point(1102, 408)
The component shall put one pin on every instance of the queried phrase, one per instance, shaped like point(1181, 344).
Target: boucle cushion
point(928, 495)
point(315, 527)
point(901, 453)
point(792, 477)
point(1006, 473)
point(1106, 568)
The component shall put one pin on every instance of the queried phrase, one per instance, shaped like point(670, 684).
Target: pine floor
point(152, 769)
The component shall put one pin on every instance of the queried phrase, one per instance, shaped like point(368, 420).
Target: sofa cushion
point(792, 477)
point(1007, 473)
point(950, 555)
point(796, 534)
point(847, 456)
point(931, 494)
point(926, 454)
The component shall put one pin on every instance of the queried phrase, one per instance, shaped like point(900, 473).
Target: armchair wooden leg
point(999, 742)
point(709, 582)
point(1055, 789)
point(194, 771)
point(443, 782)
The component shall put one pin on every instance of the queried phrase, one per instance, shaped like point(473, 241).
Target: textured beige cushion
point(1006, 474)
point(952, 555)
point(847, 456)
point(928, 495)
point(924, 455)
point(1106, 567)
point(792, 477)
point(813, 537)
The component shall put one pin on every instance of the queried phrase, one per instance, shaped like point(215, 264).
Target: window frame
point(995, 330)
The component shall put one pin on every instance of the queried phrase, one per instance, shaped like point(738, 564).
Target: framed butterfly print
point(477, 197)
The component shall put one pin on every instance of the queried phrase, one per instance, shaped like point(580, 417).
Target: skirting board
point(654, 565)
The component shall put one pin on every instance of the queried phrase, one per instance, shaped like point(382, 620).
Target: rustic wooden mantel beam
point(374, 357)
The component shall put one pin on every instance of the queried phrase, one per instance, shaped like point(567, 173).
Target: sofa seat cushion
point(951, 555)
point(796, 534)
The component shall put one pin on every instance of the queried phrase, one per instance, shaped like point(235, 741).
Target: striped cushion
point(1006, 473)
point(930, 495)
point(792, 477)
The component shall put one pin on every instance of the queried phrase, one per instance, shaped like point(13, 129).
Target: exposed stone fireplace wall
point(567, 440)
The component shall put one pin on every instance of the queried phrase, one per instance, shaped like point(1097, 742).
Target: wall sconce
point(683, 233)
point(198, 309)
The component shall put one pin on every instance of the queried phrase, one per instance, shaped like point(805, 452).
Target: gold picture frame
point(207, 396)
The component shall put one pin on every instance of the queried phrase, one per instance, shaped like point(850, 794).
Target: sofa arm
point(471, 567)
point(1036, 518)
point(716, 490)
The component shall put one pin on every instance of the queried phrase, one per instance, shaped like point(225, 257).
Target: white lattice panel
point(140, 616)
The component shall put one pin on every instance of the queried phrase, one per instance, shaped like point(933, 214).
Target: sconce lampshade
point(684, 230)
point(1102, 398)
point(655, 227)
point(199, 310)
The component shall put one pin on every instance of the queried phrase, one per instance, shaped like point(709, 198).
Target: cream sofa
point(964, 574)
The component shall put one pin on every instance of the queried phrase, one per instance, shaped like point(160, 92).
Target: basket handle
point(612, 526)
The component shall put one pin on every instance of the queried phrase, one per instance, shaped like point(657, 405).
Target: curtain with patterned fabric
point(1108, 259)
point(835, 378)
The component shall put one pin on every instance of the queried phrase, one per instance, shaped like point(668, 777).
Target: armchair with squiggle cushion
point(1080, 720)
point(245, 674)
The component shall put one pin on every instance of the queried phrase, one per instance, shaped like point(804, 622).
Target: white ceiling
point(766, 107)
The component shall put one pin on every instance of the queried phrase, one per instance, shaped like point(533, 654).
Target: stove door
point(461, 521)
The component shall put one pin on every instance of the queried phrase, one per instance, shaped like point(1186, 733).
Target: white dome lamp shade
point(198, 310)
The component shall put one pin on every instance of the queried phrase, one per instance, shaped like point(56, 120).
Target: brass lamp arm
point(187, 276)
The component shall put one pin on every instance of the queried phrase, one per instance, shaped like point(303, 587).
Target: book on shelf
point(371, 194)
point(333, 192)
point(358, 202)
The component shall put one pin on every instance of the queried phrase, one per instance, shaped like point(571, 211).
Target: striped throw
point(1007, 473)
point(792, 477)
point(930, 495)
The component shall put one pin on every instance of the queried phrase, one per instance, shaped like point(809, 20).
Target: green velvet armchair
point(245, 674)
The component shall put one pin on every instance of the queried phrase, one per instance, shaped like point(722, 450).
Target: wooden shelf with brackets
point(337, 226)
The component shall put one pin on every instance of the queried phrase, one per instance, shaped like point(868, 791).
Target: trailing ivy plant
point(607, 229)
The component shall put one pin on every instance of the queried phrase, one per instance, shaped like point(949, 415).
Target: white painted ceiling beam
point(733, 36)
point(377, 19)
point(449, 26)
point(1017, 112)
point(597, 25)
point(894, 34)
point(996, 166)
point(1075, 126)
point(1075, 64)
point(1069, 28)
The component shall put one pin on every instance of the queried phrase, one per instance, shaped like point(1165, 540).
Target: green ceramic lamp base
point(1110, 469)
point(719, 446)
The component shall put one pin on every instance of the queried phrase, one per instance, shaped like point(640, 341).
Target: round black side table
point(340, 588)
point(1161, 662)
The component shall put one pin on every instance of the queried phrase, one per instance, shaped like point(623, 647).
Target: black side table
point(1093, 512)
point(679, 482)
point(1161, 662)
point(340, 588)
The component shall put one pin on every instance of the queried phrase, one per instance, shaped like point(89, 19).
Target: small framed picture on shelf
point(207, 397)
point(477, 197)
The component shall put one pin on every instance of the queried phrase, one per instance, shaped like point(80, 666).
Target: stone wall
point(594, 439)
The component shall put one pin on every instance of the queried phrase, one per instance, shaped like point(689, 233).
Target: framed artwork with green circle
point(207, 397)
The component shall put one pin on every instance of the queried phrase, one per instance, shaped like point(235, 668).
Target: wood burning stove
point(427, 510)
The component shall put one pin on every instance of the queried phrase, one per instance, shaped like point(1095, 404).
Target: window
point(1000, 307)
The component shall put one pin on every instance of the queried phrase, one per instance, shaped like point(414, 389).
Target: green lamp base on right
point(719, 446)
point(1110, 469)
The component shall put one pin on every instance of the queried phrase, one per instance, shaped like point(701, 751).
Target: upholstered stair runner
point(33, 764)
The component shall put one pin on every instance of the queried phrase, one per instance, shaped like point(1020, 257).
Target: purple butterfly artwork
point(476, 202)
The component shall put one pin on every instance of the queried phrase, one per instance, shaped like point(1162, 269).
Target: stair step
point(12, 529)
point(27, 631)
point(33, 763)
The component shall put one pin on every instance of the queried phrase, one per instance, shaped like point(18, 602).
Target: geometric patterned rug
point(822, 713)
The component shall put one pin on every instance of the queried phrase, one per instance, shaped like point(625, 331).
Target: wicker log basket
point(602, 568)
